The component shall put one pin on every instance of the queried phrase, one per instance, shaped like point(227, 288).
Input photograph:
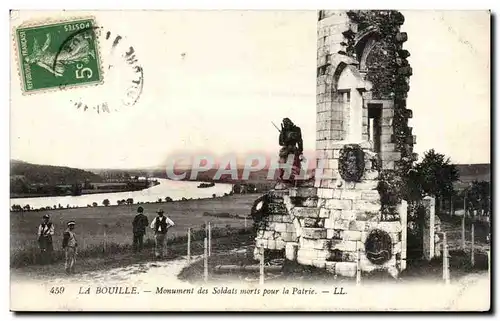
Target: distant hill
point(51, 175)
point(470, 172)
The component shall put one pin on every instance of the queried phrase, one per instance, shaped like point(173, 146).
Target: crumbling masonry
point(354, 217)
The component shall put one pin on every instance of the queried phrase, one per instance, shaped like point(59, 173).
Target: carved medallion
point(351, 163)
point(378, 247)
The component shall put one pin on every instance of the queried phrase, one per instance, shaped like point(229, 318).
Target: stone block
point(348, 185)
point(337, 193)
point(269, 234)
point(347, 269)
point(366, 185)
point(280, 227)
point(344, 246)
point(351, 235)
point(339, 204)
point(309, 222)
point(261, 243)
point(319, 263)
point(303, 192)
point(324, 213)
point(310, 202)
point(333, 163)
point(348, 215)
point(334, 234)
point(320, 144)
point(290, 228)
point(367, 206)
point(271, 244)
point(390, 156)
point(372, 195)
point(321, 244)
point(313, 233)
point(325, 193)
point(305, 212)
point(349, 257)
point(304, 261)
point(357, 225)
point(329, 173)
point(287, 237)
point(373, 216)
point(390, 227)
point(397, 248)
point(275, 218)
point(341, 224)
point(351, 195)
point(291, 249)
point(335, 215)
point(276, 194)
point(388, 147)
point(387, 113)
point(388, 165)
point(329, 223)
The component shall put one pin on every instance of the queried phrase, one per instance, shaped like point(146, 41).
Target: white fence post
point(358, 266)
point(205, 258)
point(463, 232)
point(403, 215)
point(189, 246)
point(209, 239)
point(446, 263)
point(261, 267)
point(472, 245)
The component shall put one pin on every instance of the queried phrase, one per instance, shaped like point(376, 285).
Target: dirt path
point(128, 266)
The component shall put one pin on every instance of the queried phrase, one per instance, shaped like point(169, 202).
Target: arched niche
point(365, 41)
point(349, 88)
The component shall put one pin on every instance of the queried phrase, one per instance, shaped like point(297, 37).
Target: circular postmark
point(123, 74)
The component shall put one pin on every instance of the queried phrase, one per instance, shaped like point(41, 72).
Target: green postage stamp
point(58, 55)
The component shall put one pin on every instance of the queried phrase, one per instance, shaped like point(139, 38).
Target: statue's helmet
point(287, 122)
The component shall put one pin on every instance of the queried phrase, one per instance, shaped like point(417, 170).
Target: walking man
point(139, 229)
point(45, 233)
point(70, 247)
point(160, 225)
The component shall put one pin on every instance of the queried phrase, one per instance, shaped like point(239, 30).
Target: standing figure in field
point(70, 246)
point(291, 141)
point(45, 233)
point(160, 226)
point(139, 229)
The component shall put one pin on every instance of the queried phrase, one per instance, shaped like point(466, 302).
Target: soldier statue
point(291, 141)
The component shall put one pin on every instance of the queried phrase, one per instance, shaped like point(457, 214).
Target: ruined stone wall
point(358, 218)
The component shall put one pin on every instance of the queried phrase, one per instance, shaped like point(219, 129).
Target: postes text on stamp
point(58, 55)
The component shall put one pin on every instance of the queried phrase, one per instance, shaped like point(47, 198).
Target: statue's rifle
point(276, 126)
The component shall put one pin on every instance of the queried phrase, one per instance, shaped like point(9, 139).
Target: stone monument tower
point(354, 218)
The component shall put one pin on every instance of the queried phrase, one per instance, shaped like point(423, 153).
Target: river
point(174, 189)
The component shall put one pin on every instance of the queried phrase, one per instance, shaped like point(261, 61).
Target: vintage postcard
point(315, 160)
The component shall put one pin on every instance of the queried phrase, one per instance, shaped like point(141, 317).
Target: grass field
point(111, 226)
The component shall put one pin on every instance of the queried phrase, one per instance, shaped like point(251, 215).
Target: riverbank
point(110, 227)
point(166, 190)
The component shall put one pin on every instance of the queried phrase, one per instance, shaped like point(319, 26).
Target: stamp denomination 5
point(58, 55)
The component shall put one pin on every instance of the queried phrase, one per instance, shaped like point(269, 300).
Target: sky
point(214, 81)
